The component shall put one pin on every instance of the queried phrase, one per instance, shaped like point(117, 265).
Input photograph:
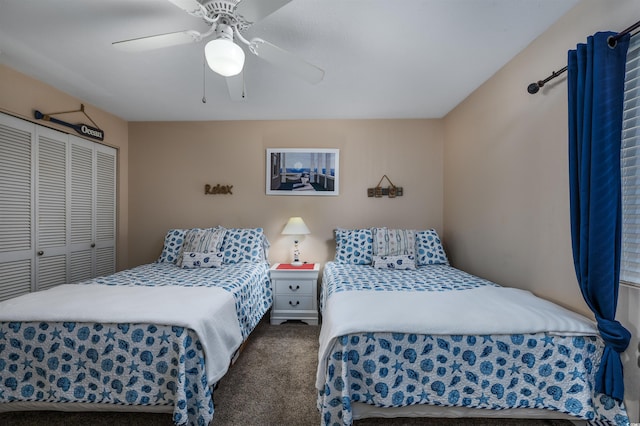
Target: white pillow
point(399, 262)
point(207, 240)
point(192, 260)
point(393, 242)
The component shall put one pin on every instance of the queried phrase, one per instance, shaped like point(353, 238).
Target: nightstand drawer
point(298, 303)
point(294, 287)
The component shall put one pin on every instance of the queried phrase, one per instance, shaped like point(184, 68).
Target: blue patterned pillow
point(192, 259)
point(243, 245)
point(172, 245)
point(354, 246)
point(399, 262)
point(429, 250)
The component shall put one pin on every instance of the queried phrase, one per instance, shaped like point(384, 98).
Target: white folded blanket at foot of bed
point(209, 311)
point(478, 311)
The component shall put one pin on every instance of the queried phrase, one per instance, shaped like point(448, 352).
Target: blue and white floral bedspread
point(127, 363)
point(485, 371)
point(343, 277)
point(248, 282)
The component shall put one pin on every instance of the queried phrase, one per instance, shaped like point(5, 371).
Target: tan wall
point(20, 95)
point(506, 199)
point(171, 163)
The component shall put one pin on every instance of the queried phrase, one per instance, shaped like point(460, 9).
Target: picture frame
point(303, 171)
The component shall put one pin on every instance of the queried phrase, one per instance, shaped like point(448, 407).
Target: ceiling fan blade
point(157, 41)
point(286, 60)
point(255, 10)
point(235, 84)
point(190, 6)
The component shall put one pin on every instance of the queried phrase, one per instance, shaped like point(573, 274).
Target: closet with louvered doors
point(57, 208)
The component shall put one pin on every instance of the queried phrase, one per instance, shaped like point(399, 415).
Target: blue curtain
point(596, 88)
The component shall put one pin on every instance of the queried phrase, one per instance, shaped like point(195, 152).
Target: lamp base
point(297, 263)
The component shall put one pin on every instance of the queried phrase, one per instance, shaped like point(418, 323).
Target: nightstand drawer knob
point(294, 289)
point(294, 304)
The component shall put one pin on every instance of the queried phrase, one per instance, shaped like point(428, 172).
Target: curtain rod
point(533, 88)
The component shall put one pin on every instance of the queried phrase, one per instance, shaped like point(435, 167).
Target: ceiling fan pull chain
point(204, 80)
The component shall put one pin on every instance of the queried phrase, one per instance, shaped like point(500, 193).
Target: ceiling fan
point(228, 19)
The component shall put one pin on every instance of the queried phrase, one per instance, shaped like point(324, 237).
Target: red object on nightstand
point(290, 266)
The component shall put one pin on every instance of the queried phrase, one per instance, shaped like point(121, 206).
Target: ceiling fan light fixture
point(224, 57)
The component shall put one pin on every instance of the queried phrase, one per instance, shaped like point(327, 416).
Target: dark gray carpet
point(272, 383)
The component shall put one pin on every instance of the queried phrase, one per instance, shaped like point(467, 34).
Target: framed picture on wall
point(302, 171)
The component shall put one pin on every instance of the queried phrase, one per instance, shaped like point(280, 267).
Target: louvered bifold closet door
point(105, 254)
point(16, 207)
point(630, 158)
point(51, 208)
point(82, 209)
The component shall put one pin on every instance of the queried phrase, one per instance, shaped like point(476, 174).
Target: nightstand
point(295, 294)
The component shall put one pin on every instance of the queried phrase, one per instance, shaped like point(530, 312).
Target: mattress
point(436, 336)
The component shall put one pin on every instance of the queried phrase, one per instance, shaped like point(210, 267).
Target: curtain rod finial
point(533, 88)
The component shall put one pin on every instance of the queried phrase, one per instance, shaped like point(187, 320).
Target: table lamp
point(296, 226)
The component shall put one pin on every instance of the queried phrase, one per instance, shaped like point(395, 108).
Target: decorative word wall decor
point(83, 129)
point(218, 189)
point(391, 191)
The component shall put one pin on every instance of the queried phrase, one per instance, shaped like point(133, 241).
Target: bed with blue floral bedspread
point(435, 336)
point(136, 365)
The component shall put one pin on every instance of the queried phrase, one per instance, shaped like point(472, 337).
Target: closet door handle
point(294, 289)
point(294, 304)
point(93, 245)
point(40, 253)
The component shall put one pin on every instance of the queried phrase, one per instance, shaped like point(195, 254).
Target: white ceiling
point(382, 58)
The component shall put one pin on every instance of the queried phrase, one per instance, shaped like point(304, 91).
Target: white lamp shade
point(224, 57)
point(295, 226)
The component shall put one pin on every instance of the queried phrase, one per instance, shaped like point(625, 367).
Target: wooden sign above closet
point(83, 129)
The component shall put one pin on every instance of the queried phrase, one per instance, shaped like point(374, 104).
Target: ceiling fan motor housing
point(226, 10)
point(224, 31)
